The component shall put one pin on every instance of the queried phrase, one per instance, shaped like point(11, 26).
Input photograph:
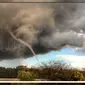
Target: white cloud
point(10, 63)
point(25, 63)
point(15, 62)
point(75, 61)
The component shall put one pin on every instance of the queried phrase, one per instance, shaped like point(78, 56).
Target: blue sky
point(76, 59)
point(61, 55)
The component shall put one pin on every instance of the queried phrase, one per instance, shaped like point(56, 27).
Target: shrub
point(77, 76)
point(26, 76)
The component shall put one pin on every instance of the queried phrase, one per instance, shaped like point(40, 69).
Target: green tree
point(26, 76)
point(20, 68)
point(77, 76)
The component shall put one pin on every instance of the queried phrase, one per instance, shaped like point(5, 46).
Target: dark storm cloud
point(43, 27)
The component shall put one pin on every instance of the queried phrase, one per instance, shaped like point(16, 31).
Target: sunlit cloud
point(74, 60)
point(78, 65)
point(24, 62)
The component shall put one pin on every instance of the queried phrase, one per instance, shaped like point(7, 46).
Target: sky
point(70, 55)
point(65, 24)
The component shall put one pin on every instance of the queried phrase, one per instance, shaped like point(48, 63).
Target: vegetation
point(8, 72)
point(53, 71)
point(26, 76)
point(77, 76)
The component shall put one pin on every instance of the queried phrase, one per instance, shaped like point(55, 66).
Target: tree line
point(52, 71)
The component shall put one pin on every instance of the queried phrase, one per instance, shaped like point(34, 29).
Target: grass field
point(9, 79)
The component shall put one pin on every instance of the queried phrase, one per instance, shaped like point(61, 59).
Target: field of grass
point(9, 79)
